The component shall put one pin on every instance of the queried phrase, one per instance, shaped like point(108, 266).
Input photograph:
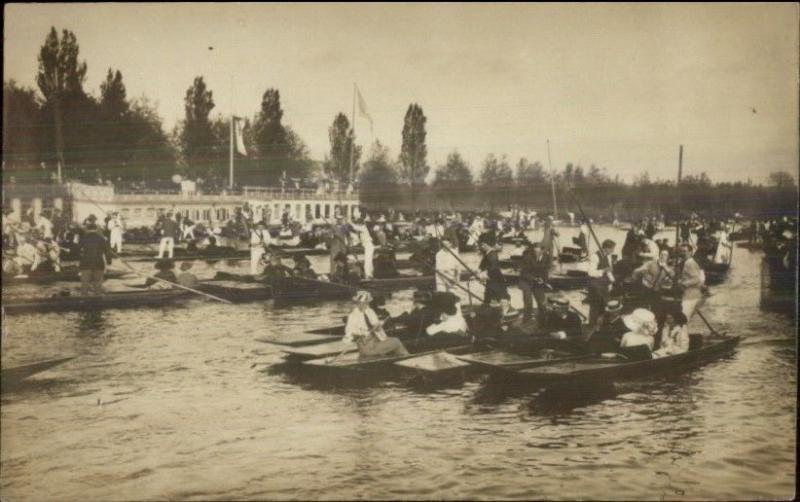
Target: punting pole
point(552, 181)
point(678, 192)
point(179, 286)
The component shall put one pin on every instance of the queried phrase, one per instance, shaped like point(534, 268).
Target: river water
point(181, 403)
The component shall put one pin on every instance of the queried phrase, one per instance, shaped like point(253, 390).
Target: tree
point(378, 180)
point(414, 152)
point(781, 179)
point(113, 95)
point(270, 134)
point(342, 139)
point(532, 184)
point(150, 153)
point(21, 115)
point(60, 79)
point(196, 134)
point(114, 132)
point(496, 179)
point(453, 180)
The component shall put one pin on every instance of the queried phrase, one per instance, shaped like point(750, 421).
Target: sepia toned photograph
point(379, 251)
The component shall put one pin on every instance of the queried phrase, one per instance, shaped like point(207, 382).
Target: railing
point(265, 193)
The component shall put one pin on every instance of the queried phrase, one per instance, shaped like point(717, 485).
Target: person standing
point(260, 239)
point(169, 229)
point(549, 236)
point(95, 254)
point(601, 280)
point(533, 271)
point(337, 244)
point(369, 248)
point(490, 268)
point(115, 231)
point(690, 280)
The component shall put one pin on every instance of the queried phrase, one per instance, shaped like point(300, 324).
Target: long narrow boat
point(593, 370)
point(12, 376)
point(70, 274)
point(499, 361)
point(136, 298)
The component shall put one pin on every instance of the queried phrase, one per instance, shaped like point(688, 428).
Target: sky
point(620, 86)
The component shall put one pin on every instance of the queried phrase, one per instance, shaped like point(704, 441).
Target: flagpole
point(233, 120)
point(353, 142)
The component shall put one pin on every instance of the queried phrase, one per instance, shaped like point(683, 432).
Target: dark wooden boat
point(136, 298)
point(12, 376)
point(352, 361)
point(71, 274)
point(778, 288)
point(500, 362)
point(302, 288)
point(594, 370)
point(716, 273)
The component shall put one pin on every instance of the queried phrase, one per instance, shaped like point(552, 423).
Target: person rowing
point(165, 269)
point(187, 278)
point(560, 321)
point(365, 330)
point(601, 279)
point(690, 281)
point(652, 278)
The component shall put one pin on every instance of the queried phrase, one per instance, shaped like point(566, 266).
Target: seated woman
point(186, 278)
point(639, 341)
point(365, 330)
point(674, 334)
point(275, 270)
point(450, 328)
point(347, 272)
point(385, 263)
point(420, 316)
point(165, 272)
point(302, 268)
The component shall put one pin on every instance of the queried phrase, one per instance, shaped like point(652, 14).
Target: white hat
point(363, 296)
point(638, 318)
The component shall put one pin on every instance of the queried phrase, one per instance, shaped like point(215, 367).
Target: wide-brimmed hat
point(638, 318)
point(186, 265)
point(165, 264)
point(558, 301)
point(422, 296)
point(613, 306)
point(363, 297)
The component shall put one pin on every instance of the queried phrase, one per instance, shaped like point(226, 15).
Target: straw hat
point(613, 306)
point(639, 319)
point(363, 297)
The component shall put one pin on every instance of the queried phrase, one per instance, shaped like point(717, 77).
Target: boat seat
point(695, 341)
point(637, 353)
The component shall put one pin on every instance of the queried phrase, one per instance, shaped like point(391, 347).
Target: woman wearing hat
point(165, 273)
point(365, 330)
point(186, 278)
point(674, 335)
point(642, 329)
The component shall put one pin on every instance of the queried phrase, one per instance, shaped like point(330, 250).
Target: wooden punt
point(136, 298)
point(71, 274)
point(12, 376)
point(593, 370)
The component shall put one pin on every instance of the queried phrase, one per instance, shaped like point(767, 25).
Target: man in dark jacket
point(490, 266)
point(95, 254)
point(533, 270)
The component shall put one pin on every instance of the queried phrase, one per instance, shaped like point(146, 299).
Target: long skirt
point(376, 348)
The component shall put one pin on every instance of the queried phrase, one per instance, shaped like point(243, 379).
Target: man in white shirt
point(651, 249)
point(365, 330)
point(259, 240)
point(115, 229)
point(369, 248)
point(448, 267)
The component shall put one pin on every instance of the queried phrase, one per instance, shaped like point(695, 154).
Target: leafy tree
point(781, 179)
point(496, 179)
point(453, 180)
point(414, 152)
point(60, 78)
point(196, 132)
point(342, 139)
point(151, 154)
point(270, 134)
point(21, 116)
point(378, 180)
point(532, 183)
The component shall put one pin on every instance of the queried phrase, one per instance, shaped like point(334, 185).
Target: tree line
point(110, 136)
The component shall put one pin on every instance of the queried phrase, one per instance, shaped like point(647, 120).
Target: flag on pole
point(238, 127)
point(362, 109)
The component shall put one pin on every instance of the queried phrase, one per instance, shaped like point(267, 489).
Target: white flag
point(362, 109)
point(238, 128)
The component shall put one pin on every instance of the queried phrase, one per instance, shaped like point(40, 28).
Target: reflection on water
point(177, 403)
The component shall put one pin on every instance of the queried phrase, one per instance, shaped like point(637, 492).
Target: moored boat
point(12, 376)
point(599, 369)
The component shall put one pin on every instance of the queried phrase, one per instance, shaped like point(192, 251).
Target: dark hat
point(422, 296)
point(91, 218)
point(186, 265)
point(165, 264)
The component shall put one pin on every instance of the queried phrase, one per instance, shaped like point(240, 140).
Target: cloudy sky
point(619, 86)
